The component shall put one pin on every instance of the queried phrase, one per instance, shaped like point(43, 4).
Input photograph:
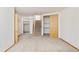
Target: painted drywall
point(69, 26)
point(6, 27)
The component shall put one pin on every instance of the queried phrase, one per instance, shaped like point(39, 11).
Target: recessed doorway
point(37, 27)
point(50, 25)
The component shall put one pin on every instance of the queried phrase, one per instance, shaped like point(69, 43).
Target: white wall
point(69, 26)
point(6, 28)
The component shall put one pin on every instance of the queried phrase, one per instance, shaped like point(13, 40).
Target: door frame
point(49, 14)
point(16, 27)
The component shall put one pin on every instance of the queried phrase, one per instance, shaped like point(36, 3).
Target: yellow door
point(16, 25)
point(54, 26)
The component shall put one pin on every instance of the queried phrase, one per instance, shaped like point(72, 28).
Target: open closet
point(50, 25)
point(26, 26)
point(46, 25)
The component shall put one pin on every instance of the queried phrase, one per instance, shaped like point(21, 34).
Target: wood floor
point(29, 43)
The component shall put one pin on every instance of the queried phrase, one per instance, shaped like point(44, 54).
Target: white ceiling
point(37, 10)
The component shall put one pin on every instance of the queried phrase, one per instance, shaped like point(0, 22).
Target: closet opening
point(50, 25)
point(26, 27)
point(46, 25)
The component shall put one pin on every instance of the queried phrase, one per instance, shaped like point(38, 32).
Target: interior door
point(54, 26)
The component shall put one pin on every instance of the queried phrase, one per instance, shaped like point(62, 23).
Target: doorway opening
point(46, 25)
point(50, 25)
point(26, 27)
point(37, 27)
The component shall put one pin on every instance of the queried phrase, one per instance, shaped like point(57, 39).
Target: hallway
point(30, 43)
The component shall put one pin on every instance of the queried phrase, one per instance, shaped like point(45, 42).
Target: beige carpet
point(30, 43)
